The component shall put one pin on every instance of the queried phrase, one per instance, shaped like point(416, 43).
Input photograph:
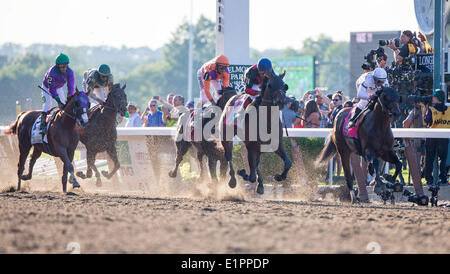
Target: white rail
point(298, 132)
point(293, 132)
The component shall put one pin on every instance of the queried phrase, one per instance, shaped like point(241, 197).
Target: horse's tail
point(13, 126)
point(327, 152)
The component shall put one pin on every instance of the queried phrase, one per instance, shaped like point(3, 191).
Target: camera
point(372, 57)
point(427, 100)
point(395, 41)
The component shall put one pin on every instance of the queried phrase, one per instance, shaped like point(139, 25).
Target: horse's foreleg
point(212, 165)
point(391, 157)
point(287, 162)
point(68, 167)
point(112, 153)
point(370, 157)
point(91, 166)
point(73, 180)
point(228, 147)
point(36, 154)
point(260, 188)
point(182, 148)
point(200, 161)
point(252, 157)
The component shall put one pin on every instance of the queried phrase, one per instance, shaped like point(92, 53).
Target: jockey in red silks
point(214, 72)
point(256, 76)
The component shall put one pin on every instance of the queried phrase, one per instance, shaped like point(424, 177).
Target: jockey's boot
point(355, 117)
point(43, 124)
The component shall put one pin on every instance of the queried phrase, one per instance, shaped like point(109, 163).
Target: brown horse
point(273, 98)
point(101, 134)
point(375, 140)
point(62, 136)
point(203, 147)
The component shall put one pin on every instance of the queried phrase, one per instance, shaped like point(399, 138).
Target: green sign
point(299, 73)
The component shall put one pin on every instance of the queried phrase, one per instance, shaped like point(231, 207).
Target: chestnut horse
point(62, 136)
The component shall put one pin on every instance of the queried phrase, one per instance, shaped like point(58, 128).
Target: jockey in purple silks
point(53, 83)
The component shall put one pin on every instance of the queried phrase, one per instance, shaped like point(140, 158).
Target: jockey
point(53, 83)
point(99, 81)
point(367, 86)
point(210, 73)
point(256, 76)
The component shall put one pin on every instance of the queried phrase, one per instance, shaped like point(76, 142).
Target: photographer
point(436, 116)
point(408, 48)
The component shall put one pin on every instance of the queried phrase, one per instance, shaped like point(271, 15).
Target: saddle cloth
point(36, 136)
point(236, 109)
point(353, 131)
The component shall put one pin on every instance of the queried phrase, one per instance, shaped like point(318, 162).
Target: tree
point(170, 74)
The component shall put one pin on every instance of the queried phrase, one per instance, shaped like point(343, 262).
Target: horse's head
point(80, 107)
point(389, 100)
point(275, 91)
point(117, 99)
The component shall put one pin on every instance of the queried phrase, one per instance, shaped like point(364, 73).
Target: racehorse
point(203, 147)
point(273, 95)
point(100, 134)
point(62, 136)
point(374, 139)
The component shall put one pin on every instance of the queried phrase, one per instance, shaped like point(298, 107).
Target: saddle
point(36, 135)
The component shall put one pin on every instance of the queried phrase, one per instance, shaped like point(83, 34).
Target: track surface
point(49, 221)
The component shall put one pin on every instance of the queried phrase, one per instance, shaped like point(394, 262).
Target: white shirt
point(134, 121)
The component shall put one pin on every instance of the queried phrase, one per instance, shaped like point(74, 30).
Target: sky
point(273, 23)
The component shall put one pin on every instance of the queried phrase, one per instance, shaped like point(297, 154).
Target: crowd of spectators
point(314, 109)
point(158, 113)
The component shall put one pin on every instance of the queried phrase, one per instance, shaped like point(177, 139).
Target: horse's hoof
point(260, 189)
point(75, 184)
point(172, 174)
point(106, 174)
point(25, 177)
point(81, 175)
point(243, 174)
point(232, 182)
point(279, 178)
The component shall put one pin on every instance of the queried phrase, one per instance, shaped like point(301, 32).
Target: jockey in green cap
point(99, 81)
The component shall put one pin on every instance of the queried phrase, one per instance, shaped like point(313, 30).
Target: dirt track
point(47, 221)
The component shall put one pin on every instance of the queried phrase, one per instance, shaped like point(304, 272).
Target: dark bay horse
point(375, 139)
point(100, 134)
point(204, 147)
point(62, 136)
point(256, 122)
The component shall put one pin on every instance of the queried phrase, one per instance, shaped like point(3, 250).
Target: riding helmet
point(62, 59)
point(104, 70)
point(264, 65)
point(379, 74)
point(222, 60)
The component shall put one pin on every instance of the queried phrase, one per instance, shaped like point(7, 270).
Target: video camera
point(372, 57)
